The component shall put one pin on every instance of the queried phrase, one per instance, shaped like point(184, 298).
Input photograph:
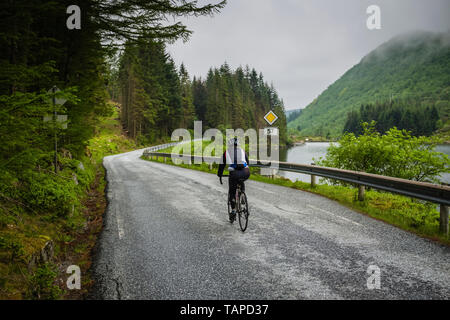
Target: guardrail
point(161, 147)
point(421, 190)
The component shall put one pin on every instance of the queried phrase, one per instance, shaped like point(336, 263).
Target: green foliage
point(39, 52)
point(109, 140)
point(42, 283)
point(49, 193)
point(154, 99)
point(413, 67)
point(124, 19)
point(291, 116)
point(395, 153)
point(13, 246)
point(237, 99)
point(408, 115)
point(187, 99)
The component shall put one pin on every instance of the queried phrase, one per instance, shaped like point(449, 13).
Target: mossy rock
point(43, 255)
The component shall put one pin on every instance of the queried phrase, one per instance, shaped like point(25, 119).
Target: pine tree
point(187, 100)
point(238, 99)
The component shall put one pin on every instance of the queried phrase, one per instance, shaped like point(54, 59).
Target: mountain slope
point(410, 66)
point(291, 111)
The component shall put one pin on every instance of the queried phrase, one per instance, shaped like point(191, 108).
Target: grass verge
point(38, 242)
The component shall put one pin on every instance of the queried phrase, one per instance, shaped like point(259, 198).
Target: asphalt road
point(166, 236)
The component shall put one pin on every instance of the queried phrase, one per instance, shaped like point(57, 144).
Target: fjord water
point(444, 148)
point(305, 154)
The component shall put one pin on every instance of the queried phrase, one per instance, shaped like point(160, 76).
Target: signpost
point(56, 118)
point(270, 118)
point(271, 131)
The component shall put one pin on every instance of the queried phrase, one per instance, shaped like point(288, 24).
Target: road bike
point(241, 205)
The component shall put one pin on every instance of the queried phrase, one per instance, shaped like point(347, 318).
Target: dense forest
point(152, 92)
point(413, 67)
point(157, 97)
point(291, 116)
point(39, 51)
point(237, 99)
point(408, 115)
point(40, 197)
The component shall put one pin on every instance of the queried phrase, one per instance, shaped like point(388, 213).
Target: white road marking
point(335, 215)
point(120, 227)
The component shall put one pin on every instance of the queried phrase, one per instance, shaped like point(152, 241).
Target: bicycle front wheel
point(243, 212)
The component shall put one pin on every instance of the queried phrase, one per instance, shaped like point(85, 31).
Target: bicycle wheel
point(243, 211)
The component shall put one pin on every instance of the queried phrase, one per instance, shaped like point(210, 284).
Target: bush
point(13, 246)
point(50, 193)
point(395, 153)
point(41, 283)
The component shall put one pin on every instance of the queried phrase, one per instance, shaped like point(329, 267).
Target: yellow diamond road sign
point(270, 117)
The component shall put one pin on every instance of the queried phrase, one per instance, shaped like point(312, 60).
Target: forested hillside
point(158, 97)
point(411, 67)
point(408, 115)
point(151, 92)
point(292, 114)
point(42, 200)
point(237, 99)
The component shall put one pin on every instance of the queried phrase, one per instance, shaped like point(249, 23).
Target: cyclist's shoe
point(232, 215)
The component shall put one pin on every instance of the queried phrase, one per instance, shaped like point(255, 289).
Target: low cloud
point(300, 46)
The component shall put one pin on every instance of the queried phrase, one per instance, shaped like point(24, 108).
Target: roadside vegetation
point(396, 154)
point(402, 114)
point(51, 209)
point(54, 220)
point(417, 216)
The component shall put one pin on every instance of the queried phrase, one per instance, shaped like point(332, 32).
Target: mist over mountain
point(410, 67)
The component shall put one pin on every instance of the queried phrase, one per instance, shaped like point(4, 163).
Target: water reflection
point(303, 154)
point(444, 148)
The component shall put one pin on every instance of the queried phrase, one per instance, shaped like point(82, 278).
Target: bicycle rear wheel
point(243, 211)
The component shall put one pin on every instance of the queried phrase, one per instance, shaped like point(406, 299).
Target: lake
point(305, 153)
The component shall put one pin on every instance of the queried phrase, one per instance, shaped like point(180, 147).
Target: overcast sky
point(301, 46)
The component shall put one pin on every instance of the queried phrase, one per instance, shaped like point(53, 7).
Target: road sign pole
point(54, 127)
point(56, 118)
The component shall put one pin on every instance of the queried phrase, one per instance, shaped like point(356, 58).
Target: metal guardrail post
point(313, 177)
point(313, 180)
point(361, 192)
point(443, 220)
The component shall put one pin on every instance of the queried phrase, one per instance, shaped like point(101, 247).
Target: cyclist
point(237, 161)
